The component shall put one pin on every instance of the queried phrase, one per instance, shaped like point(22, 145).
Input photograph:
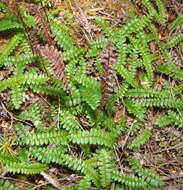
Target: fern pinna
point(90, 109)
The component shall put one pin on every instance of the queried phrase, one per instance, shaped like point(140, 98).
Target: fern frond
point(176, 22)
point(162, 17)
point(25, 168)
point(106, 166)
point(59, 137)
point(90, 90)
point(14, 41)
point(7, 24)
point(93, 136)
point(108, 58)
point(140, 140)
point(28, 78)
point(69, 122)
point(71, 162)
point(6, 158)
point(171, 118)
point(171, 70)
point(16, 96)
point(151, 178)
point(130, 181)
point(135, 109)
point(18, 60)
point(6, 185)
point(122, 90)
point(163, 121)
point(176, 40)
point(108, 31)
point(62, 37)
point(147, 93)
point(169, 102)
point(84, 183)
point(53, 55)
point(126, 75)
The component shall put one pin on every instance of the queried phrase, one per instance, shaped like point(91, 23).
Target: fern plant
point(92, 101)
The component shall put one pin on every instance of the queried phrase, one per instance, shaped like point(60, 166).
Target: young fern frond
point(135, 109)
point(16, 96)
point(108, 58)
point(54, 57)
point(151, 178)
point(140, 140)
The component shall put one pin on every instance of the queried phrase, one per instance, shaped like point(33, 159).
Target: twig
point(13, 117)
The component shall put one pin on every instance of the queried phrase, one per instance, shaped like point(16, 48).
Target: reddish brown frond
point(42, 23)
point(108, 58)
point(54, 57)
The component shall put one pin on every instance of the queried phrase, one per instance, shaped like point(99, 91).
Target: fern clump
point(85, 106)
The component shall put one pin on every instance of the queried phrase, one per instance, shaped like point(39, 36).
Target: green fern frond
point(140, 140)
point(152, 11)
point(176, 40)
point(62, 37)
point(7, 24)
point(169, 102)
point(16, 96)
point(18, 60)
point(93, 136)
point(84, 183)
point(163, 121)
point(25, 168)
point(135, 109)
point(108, 31)
point(176, 22)
point(106, 167)
point(28, 78)
point(151, 178)
point(69, 122)
point(171, 118)
point(147, 93)
point(59, 137)
point(126, 75)
point(90, 90)
point(130, 181)
point(14, 41)
point(122, 90)
point(6, 185)
point(162, 17)
point(171, 70)
point(6, 158)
